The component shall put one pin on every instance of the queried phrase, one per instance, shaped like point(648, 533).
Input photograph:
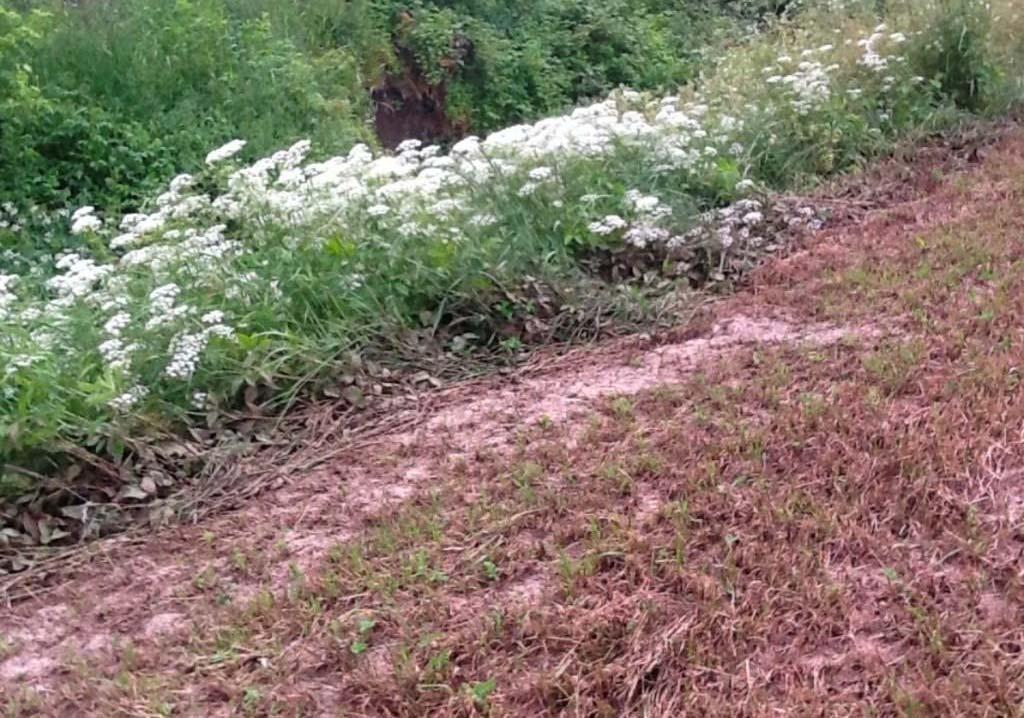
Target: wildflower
point(378, 210)
point(647, 204)
point(80, 277)
point(82, 212)
point(7, 297)
point(483, 220)
point(540, 174)
point(129, 399)
point(117, 323)
point(643, 236)
point(225, 152)
point(185, 350)
point(124, 240)
point(446, 207)
point(609, 224)
point(86, 222)
point(181, 182)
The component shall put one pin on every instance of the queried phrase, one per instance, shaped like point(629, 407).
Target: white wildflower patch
point(642, 236)
point(7, 296)
point(541, 174)
point(83, 222)
point(609, 225)
point(225, 152)
point(129, 399)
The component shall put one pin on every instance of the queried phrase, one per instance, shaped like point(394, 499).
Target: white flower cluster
point(200, 251)
point(647, 210)
point(7, 296)
point(163, 306)
point(85, 220)
point(642, 236)
point(730, 224)
point(872, 57)
point(129, 399)
point(10, 217)
point(117, 354)
point(225, 152)
point(80, 278)
point(810, 84)
point(647, 206)
point(187, 348)
point(609, 225)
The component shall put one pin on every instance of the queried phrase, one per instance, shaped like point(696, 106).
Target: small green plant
point(955, 51)
point(251, 699)
point(360, 643)
point(490, 569)
point(481, 691)
point(524, 477)
point(438, 665)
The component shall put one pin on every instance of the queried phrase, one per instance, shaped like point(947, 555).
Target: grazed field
point(806, 501)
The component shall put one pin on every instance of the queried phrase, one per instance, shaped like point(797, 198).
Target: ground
point(806, 500)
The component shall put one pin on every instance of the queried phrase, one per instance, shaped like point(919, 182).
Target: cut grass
point(792, 531)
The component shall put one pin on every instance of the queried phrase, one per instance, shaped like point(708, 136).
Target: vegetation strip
point(793, 527)
point(249, 283)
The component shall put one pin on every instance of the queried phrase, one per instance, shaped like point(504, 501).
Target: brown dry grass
point(792, 528)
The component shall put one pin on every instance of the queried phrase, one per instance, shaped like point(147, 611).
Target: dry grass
point(793, 530)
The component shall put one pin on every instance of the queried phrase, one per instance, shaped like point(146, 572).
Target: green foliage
point(139, 89)
point(954, 49)
point(103, 100)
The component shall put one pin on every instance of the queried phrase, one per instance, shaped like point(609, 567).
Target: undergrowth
point(115, 97)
